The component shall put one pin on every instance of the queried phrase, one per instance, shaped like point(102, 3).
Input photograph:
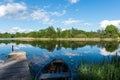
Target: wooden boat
point(55, 70)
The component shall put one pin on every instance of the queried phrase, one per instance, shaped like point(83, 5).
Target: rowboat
point(57, 69)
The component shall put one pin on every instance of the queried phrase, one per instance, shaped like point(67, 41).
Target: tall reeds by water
point(101, 71)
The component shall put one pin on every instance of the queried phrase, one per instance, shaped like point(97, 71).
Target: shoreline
point(63, 39)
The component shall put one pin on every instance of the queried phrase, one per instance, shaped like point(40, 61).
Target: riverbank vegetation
point(101, 71)
point(110, 31)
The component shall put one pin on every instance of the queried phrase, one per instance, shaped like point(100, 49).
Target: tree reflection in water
point(51, 45)
point(109, 50)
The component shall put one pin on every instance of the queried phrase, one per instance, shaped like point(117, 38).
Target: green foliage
point(101, 33)
point(77, 33)
point(50, 32)
point(66, 34)
point(59, 33)
point(111, 31)
point(100, 71)
point(111, 46)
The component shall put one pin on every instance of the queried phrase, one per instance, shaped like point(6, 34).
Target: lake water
point(40, 53)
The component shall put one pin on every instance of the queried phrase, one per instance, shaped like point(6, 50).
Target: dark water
point(40, 53)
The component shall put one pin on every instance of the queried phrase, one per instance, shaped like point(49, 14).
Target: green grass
point(106, 71)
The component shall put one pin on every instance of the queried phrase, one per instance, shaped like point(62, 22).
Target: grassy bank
point(66, 39)
point(100, 72)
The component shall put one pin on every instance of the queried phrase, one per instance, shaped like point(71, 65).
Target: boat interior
point(56, 70)
point(57, 66)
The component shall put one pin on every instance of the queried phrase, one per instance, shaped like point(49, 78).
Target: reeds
point(101, 71)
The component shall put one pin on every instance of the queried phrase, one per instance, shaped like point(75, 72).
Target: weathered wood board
point(15, 68)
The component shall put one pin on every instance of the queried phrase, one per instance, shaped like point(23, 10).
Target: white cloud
point(18, 29)
point(70, 21)
point(24, 46)
point(74, 1)
point(12, 9)
point(58, 13)
point(70, 54)
point(87, 24)
point(17, 47)
point(2, 44)
point(36, 15)
point(105, 23)
point(104, 52)
point(43, 16)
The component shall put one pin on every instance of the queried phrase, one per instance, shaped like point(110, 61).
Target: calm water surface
point(40, 53)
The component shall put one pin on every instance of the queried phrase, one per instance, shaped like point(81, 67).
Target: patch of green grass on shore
point(108, 71)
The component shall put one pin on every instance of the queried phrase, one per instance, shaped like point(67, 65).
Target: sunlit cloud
point(74, 1)
point(42, 15)
point(104, 52)
point(19, 29)
point(2, 44)
point(70, 21)
point(105, 23)
point(58, 13)
point(19, 46)
point(12, 9)
point(87, 24)
point(44, 57)
point(69, 54)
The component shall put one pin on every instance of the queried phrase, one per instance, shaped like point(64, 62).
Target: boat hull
point(57, 69)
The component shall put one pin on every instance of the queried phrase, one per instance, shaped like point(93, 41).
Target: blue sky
point(29, 15)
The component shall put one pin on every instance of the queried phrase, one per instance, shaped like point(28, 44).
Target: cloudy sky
point(29, 15)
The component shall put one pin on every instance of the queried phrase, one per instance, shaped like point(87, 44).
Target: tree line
point(110, 31)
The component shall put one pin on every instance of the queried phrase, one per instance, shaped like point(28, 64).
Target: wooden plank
point(17, 75)
point(21, 64)
point(15, 68)
point(55, 75)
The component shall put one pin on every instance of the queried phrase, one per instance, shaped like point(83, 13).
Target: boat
point(57, 69)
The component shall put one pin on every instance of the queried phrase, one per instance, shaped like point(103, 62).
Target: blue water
point(38, 56)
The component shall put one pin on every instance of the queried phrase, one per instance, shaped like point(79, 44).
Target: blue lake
point(40, 53)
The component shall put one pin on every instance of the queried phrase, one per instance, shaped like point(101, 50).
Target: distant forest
point(110, 31)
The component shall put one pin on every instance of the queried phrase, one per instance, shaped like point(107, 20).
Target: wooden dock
point(15, 68)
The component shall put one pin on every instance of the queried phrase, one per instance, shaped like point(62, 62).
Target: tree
point(33, 34)
point(6, 35)
point(51, 33)
point(59, 32)
point(101, 33)
point(111, 31)
point(42, 33)
point(66, 34)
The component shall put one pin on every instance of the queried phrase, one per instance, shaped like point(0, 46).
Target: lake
point(74, 53)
